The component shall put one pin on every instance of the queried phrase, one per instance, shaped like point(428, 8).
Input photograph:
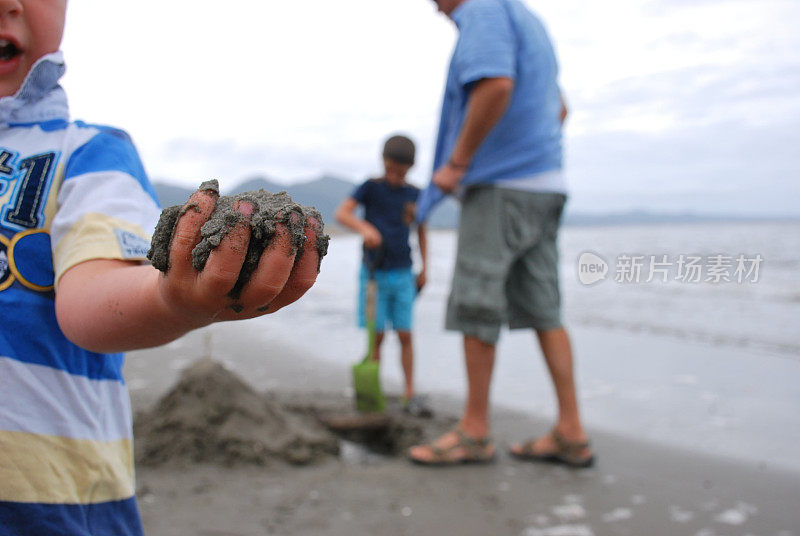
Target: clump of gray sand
point(212, 416)
point(268, 210)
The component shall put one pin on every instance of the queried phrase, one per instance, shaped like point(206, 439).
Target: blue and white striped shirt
point(69, 192)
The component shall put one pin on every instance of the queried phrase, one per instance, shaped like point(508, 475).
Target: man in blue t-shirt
point(389, 209)
point(499, 150)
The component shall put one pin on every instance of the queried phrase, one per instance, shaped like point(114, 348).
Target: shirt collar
point(40, 98)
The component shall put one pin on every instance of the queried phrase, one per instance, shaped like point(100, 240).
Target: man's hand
point(371, 235)
point(448, 177)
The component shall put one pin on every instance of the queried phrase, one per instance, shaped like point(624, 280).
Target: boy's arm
point(346, 215)
point(423, 253)
point(113, 305)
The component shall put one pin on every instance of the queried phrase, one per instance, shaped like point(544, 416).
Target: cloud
point(717, 168)
point(674, 103)
point(190, 160)
point(753, 94)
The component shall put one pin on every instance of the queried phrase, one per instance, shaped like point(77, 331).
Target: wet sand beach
point(637, 487)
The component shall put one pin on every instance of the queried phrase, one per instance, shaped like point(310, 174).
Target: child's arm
point(113, 305)
point(346, 215)
point(423, 253)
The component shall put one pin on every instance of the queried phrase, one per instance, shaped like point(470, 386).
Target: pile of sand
point(212, 416)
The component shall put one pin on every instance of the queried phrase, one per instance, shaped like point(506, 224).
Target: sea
point(684, 334)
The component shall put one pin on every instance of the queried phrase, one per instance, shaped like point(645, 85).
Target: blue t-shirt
point(391, 211)
point(501, 39)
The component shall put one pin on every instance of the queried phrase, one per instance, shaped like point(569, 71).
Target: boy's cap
point(400, 149)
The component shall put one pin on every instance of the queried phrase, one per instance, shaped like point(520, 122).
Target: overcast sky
point(676, 104)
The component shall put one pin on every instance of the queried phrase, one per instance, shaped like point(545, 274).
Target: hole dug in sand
point(385, 434)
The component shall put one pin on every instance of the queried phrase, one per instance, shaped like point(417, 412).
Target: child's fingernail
point(245, 208)
point(314, 224)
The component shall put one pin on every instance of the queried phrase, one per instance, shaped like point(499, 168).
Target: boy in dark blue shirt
point(389, 206)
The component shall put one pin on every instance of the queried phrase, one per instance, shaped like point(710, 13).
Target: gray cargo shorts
point(506, 268)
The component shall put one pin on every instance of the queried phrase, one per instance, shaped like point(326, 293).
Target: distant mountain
point(644, 217)
point(324, 193)
point(254, 183)
point(169, 194)
point(327, 192)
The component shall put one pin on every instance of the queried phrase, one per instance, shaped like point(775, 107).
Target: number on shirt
point(31, 192)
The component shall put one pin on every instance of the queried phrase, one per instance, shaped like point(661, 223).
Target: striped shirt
point(69, 192)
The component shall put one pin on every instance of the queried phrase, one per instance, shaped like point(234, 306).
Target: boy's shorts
point(507, 263)
point(397, 289)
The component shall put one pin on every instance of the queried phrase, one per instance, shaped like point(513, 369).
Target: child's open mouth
point(8, 50)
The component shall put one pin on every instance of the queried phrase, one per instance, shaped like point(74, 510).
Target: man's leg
point(476, 308)
point(558, 356)
point(479, 357)
point(534, 297)
point(407, 360)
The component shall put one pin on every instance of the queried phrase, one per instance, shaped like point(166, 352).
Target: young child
point(76, 210)
point(389, 206)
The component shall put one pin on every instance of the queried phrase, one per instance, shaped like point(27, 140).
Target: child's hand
point(421, 280)
point(372, 237)
point(112, 305)
point(283, 274)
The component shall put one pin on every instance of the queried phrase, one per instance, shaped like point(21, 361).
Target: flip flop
point(477, 451)
point(566, 453)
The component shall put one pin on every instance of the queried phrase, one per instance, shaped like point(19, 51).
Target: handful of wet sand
point(268, 210)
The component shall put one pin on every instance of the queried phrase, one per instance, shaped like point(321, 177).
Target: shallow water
point(705, 366)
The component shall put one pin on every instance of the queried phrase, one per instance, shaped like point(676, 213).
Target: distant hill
point(645, 217)
point(254, 183)
point(169, 194)
point(326, 192)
